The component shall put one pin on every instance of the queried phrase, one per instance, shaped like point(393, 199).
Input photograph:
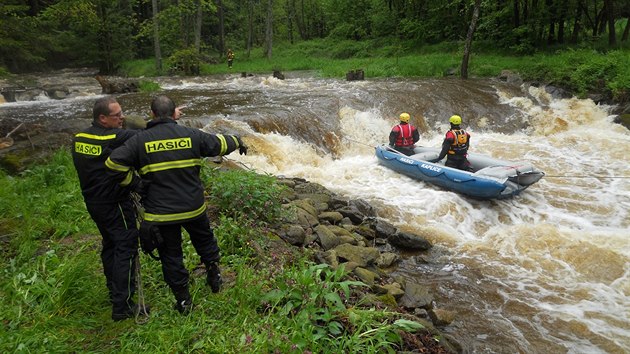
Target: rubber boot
point(214, 276)
point(183, 301)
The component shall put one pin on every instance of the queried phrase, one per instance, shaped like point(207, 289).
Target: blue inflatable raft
point(491, 179)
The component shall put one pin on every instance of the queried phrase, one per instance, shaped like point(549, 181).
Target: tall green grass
point(54, 299)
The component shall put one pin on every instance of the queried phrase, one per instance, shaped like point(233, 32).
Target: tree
point(269, 30)
point(610, 19)
point(156, 37)
point(221, 19)
point(469, 38)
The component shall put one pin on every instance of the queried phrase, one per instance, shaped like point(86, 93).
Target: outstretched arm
point(446, 145)
point(221, 144)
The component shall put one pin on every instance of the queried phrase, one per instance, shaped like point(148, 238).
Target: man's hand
point(242, 148)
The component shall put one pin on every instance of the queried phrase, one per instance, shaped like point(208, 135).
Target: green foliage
point(45, 202)
point(244, 194)
point(149, 86)
point(313, 302)
point(139, 68)
point(184, 62)
point(234, 240)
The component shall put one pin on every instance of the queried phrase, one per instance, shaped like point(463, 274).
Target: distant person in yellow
point(404, 135)
point(230, 58)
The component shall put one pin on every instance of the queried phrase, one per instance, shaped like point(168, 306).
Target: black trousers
point(458, 162)
point(202, 237)
point(117, 224)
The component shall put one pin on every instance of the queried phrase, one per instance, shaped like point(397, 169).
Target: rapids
point(545, 272)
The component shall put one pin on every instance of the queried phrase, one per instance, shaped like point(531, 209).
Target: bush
point(149, 86)
point(184, 62)
point(244, 194)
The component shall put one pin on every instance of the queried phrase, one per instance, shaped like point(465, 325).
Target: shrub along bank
point(301, 268)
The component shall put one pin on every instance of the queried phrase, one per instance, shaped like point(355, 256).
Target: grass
point(581, 68)
point(54, 297)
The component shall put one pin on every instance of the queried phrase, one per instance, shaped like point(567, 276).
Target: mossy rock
point(623, 119)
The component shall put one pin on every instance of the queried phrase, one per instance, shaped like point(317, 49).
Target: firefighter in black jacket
point(109, 203)
point(168, 158)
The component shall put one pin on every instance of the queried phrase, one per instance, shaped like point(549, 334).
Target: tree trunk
point(561, 20)
point(610, 18)
point(517, 14)
point(290, 18)
point(551, 35)
point(156, 37)
point(105, 40)
point(577, 25)
point(469, 38)
point(221, 15)
point(269, 30)
point(250, 26)
point(626, 31)
point(198, 19)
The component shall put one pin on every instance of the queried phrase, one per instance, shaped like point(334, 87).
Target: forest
point(49, 34)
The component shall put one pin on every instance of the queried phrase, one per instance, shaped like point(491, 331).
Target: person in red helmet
point(455, 146)
point(404, 136)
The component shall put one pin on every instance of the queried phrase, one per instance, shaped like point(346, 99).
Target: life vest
point(459, 146)
point(405, 135)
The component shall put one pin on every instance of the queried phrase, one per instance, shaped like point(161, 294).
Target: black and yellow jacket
point(90, 149)
point(168, 158)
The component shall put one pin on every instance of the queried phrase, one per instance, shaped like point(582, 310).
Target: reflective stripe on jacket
point(405, 134)
point(168, 156)
point(90, 149)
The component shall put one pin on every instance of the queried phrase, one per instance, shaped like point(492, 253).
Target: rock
point(349, 266)
point(327, 239)
point(623, 119)
point(348, 239)
point(305, 187)
point(394, 290)
point(355, 75)
point(333, 217)
point(293, 234)
point(365, 275)
point(306, 219)
point(441, 317)
point(366, 231)
point(383, 229)
point(111, 85)
point(557, 92)
point(306, 205)
point(339, 231)
point(364, 207)
point(409, 241)
point(352, 213)
point(329, 257)
point(278, 75)
point(322, 198)
point(363, 256)
point(387, 259)
point(510, 77)
point(416, 296)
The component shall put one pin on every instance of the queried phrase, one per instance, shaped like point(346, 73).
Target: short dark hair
point(101, 106)
point(163, 107)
